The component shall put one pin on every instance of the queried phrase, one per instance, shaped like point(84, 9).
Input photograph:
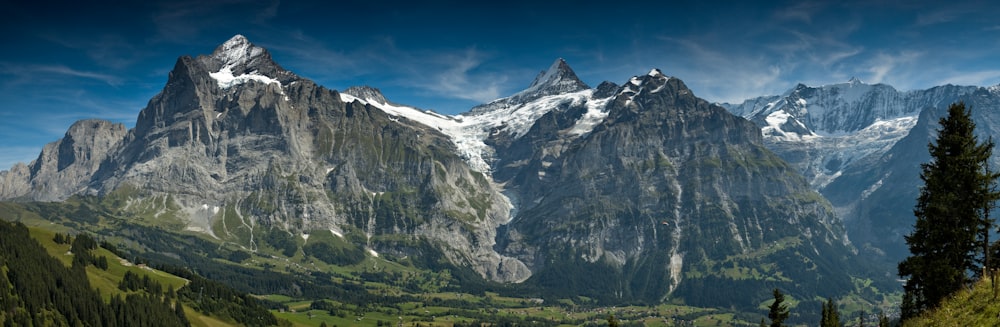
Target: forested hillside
point(36, 289)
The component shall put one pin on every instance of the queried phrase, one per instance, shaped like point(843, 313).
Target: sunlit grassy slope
point(979, 306)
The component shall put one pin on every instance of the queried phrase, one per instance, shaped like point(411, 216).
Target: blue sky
point(65, 62)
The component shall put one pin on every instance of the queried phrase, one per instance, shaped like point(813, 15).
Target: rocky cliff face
point(245, 148)
point(64, 167)
point(661, 191)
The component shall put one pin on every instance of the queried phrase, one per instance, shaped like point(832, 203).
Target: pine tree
point(778, 311)
point(952, 224)
point(612, 321)
point(883, 320)
point(831, 316)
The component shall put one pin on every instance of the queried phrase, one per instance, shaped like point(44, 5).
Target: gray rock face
point(64, 167)
point(14, 182)
point(663, 187)
point(239, 148)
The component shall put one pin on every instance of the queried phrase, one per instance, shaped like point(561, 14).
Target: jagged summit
point(236, 51)
point(855, 81)
point(238, 61)
point(367, 93)
point(558, 79)
point(654, 81)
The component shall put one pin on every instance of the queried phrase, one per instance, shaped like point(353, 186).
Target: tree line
point(36, 289)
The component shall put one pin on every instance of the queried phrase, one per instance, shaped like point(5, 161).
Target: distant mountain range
point(861, 146)
point(622, 193)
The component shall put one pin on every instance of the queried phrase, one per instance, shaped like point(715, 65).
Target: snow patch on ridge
point(225, 78)
point(595, 114)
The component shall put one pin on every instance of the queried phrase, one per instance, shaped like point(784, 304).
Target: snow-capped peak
point(855, 81)
point(240, 63)
point(237, 50)
point(558, 79)
point(655, 72)
point(995, 89)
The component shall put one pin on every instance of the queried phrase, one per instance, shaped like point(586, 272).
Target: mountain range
point(861, 146)
point(632, 192)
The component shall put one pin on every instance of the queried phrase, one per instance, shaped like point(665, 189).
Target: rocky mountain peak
point(558, 79)
point(237, 61)
point(855, 81)
point(367, 93)
point(236, 51)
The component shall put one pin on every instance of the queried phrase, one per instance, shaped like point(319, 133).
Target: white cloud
point(458, 80)
point(883, 64)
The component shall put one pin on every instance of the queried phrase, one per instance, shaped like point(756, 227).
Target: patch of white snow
point(225, 78)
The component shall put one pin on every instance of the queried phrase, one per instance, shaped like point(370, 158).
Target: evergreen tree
point(612, 321)
point(179, 311)
point(883, 320)
point(831, 316)
point(778, 311)
point(951, 233)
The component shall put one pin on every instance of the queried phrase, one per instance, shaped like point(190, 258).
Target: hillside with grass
point(49, 278)
point(978, 306)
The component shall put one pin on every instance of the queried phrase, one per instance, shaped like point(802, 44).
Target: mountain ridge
point(636, 180)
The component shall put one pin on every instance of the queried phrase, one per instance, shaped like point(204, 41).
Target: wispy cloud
point(63, 70)
point(883, 64)
point(721, 76)
point(440, 73)
point(459, 81)
point(35, 72)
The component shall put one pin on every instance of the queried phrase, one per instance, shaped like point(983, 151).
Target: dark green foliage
point(238, 256)
point(283, 241)
point(883, 320)
point(612, 321)
point(343, 255)
point(216, 299)
point(132, 282)
point(778, 311)
point(831, 316)
point(38, 290)
point(952, 225)
point(59, 239)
